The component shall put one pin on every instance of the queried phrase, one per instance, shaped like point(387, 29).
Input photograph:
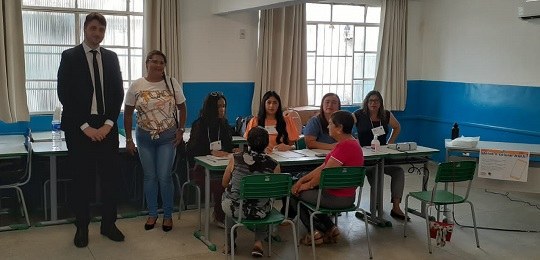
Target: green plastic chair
point(337, 178)
point(264, 186)
point(448, 172)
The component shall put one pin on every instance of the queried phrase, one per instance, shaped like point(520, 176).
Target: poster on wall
point(503, 165)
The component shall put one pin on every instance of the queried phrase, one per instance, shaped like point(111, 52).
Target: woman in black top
point(211, 134)
point(372, 116)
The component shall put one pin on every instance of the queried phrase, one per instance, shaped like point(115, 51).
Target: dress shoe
point(398, 216)
point(166, 228)
point(113, 233)
point(150, 226)
point(81, 237)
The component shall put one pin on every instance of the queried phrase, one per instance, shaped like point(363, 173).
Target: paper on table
point(313, 152)
point(288, 154)
point(216, 158)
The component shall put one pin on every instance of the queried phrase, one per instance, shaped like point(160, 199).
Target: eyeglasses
point(216, 94)
point(376, 100)
point(157, 62)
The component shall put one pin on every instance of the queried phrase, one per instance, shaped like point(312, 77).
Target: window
point(341, 51)
point(52, 26)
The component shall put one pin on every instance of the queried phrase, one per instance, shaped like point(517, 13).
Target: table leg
point(52, 190)
point(376, 199)
point(205, 238)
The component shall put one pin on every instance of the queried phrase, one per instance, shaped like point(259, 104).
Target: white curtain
point(13, 107)
point(391, 78)
point(162, 32)
point(281, 57)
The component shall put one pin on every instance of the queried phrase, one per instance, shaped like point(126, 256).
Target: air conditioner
point(530, 9)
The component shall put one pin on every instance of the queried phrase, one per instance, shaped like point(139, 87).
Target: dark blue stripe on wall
point(501, 113)
point(238, 94)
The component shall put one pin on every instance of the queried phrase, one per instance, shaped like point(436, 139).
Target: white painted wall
point(481, 41)
point(212, 50)
point(414, 39)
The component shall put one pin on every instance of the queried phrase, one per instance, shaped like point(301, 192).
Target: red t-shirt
point(348, 153)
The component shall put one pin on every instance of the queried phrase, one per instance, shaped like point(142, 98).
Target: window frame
point(319, 87)
point(79, 14)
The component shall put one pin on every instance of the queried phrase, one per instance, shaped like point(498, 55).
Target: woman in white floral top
point(160, 129)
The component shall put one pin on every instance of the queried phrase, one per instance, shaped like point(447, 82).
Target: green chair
point(337, 178)
point(448, 172)
point(264, 186)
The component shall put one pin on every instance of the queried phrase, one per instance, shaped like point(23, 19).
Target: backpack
point(241, 124)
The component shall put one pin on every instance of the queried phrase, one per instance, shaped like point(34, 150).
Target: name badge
point(378, 131)
point(271, 129)
point(215, 146)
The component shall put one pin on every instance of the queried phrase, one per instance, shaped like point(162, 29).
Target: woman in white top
point(159, 130)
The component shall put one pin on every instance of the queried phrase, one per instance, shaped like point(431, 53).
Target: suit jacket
point(75, 88)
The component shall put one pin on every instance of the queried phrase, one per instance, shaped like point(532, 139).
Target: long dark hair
point(322, 118)
point(209, 111)
point(281, 126)
point(257, 141)
point(365, 108)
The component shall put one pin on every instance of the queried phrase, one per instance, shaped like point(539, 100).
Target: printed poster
point(503, 165)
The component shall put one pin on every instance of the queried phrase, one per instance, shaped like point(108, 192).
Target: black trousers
point(86, 159)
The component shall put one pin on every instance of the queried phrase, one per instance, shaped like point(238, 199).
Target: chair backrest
point(342, 177)
point(265, 185)
point(295, 118)
point(455, 171)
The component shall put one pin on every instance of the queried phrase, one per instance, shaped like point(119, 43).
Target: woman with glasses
point(211, 135)
point(160, 129)
point(373, 118)
point(316, 131)
point(281, 129)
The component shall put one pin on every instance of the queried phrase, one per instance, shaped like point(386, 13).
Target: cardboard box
point(306, 112)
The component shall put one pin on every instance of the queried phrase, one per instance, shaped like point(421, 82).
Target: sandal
point(332, 235)
point(317, 235)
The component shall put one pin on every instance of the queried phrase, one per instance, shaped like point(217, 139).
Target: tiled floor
point(55, 242)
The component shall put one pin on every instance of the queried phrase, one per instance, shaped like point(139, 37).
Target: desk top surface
point(11, 139)
point(534, 149)
point(12, 149)
point(211, 163)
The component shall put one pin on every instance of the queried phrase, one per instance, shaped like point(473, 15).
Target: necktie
point(97, 87)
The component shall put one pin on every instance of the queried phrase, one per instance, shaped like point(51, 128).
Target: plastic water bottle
point(56, 131)
point(455, 131)
point(375, 144)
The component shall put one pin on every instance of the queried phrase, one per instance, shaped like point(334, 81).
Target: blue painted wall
point(502, 113)
point(238, 94)
point(494, 112)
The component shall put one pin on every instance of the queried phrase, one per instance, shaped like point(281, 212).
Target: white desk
point(44, 148)
point(12, 150)
point(45, 136)
point(378, 186)
point(11, 139)
point(534, 149)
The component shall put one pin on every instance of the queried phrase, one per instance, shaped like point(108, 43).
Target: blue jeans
point(157, 159)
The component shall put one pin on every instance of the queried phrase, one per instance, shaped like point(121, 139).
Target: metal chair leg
point(474, 222)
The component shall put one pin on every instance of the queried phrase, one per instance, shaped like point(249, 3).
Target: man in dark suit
point(90, 90)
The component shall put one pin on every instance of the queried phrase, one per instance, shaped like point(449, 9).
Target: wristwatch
point(182, 129)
